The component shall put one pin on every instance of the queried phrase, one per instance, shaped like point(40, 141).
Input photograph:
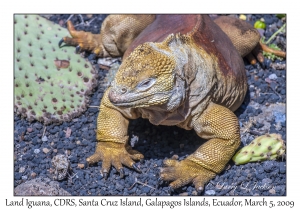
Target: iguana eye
point(146, 84)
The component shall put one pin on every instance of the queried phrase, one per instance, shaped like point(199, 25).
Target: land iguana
point(183, 70)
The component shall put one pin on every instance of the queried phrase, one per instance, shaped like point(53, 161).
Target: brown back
point(161, 27)
point(210, 37)
point(206, 35)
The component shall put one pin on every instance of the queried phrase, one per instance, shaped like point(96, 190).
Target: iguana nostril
point(112, 96)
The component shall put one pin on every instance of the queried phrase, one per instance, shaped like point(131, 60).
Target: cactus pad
point(51, 84)
point(266, 147)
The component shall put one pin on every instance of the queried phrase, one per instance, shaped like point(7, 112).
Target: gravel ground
point(262, 111)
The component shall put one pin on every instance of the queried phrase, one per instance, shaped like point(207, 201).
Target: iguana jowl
point(177, 70)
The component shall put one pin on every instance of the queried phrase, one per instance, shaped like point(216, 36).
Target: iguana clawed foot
point(181, 173)
point(116, 155)
point(255, 55)
point(84, 41)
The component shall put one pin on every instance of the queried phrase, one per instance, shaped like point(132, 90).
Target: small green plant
point(271, 55)
point(260, 24)
point(280, 15)
point(274, 52)
point(266, 147)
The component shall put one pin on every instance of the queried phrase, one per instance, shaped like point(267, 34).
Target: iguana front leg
point(220, 126)
point(113, 148)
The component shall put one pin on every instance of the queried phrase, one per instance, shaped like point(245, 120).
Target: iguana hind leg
point(220, 126)
point(117, 33)
point(244, 37)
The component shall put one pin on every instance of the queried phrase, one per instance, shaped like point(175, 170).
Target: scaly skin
point(109, 42)
point(189, 75)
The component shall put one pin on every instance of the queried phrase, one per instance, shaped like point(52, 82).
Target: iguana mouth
point(134, 100)
point(127, 99)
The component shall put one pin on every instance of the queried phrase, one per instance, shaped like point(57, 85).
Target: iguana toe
point(256, 56)
point(116, 155)
point(68, 41)
point(106, 165)
point(134, 154)
point(170, 162)
point(96, 157)
point(181, 173)
point(257, 53)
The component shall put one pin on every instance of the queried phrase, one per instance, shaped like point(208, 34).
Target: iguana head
point(145, 78)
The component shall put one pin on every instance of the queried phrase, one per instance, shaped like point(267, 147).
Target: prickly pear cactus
point(51, 84)
point(266, 147)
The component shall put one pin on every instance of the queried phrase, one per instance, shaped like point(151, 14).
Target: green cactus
point(52, 84)
point(266, 147)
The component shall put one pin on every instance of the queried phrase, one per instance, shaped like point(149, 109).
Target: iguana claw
point(105, 175)
point(60, 42)
point(77, 49)
point(121, 173)
point(170, 190)
point(84, 41)
point(134, 166)
point(199, 190)
point(160, 181)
